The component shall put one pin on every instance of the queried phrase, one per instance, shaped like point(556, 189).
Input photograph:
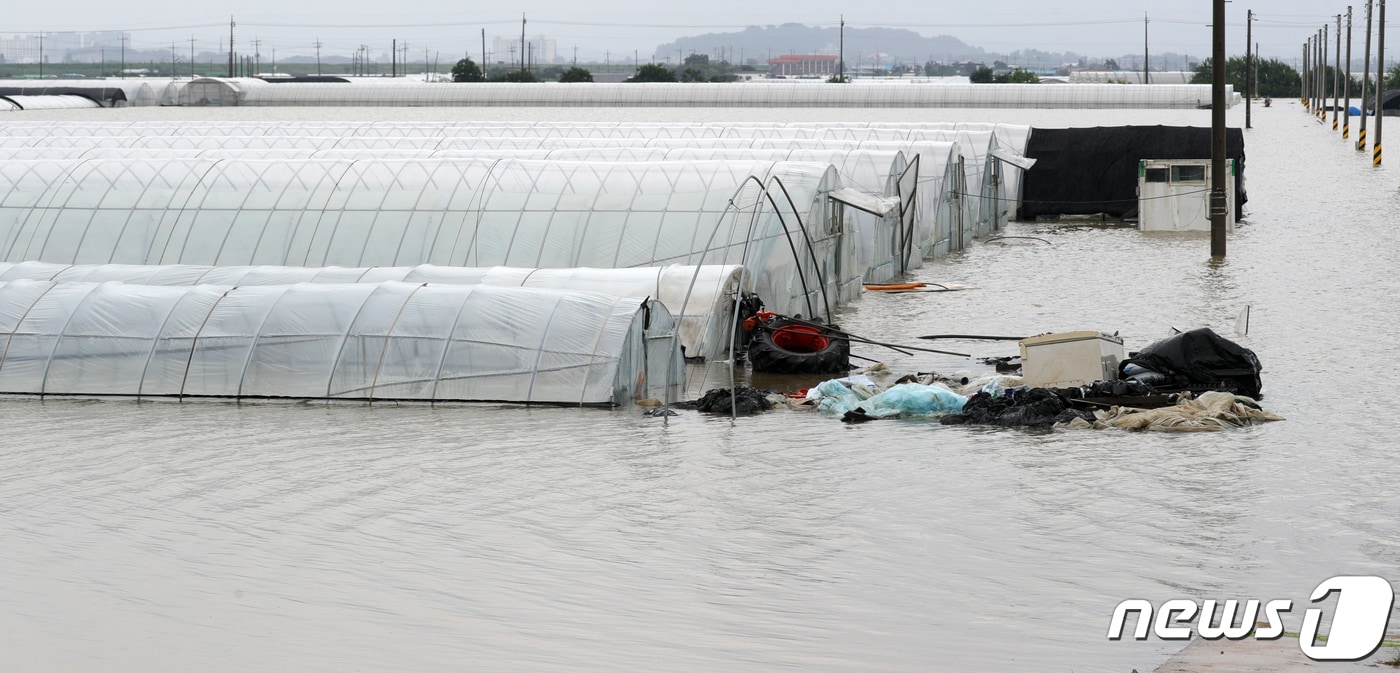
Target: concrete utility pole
point(522, 43)
point(841, 62)
point(231, 24)
point(318, 57)
point(1146, 76)
point(1218, 178)
point(1380, 84)
point(1303, 95)
point(1365, 81)
point(1336, 71)
point(1346, 87)
point(1248, 40)
point(1322, 74)
point(1322, 61)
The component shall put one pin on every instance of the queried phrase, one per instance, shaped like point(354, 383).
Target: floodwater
point(308, 537)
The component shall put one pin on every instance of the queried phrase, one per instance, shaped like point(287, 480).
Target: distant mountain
point(866, 46)
point(756, 44)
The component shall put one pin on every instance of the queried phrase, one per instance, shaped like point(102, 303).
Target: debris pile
point(1031, 408)
point(741, 401)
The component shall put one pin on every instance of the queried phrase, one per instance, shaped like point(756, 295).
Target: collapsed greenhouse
point(364, 342)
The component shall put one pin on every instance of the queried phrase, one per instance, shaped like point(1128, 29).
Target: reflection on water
point(213, 537)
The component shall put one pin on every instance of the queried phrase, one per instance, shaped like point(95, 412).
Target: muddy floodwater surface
point(217, 537)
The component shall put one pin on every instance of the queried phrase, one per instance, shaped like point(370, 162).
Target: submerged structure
point(360, 342)
point(684, 228)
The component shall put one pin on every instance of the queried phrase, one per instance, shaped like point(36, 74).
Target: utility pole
point(124, 38)
point(318, 57)
point(1319, 76)
point(1248, 40)
point(1218, 178)
point(41, 54)
point(483, 54)
point(522, 42)
point(394, 58)
point(1305, 73)
point(1380, 84)
point(1322, 61)
point(191, 57)
point(1346, 87)
point(841, 62)
point(1146, 77)
point(1336, 72)
point(231, 24)
point(257, 56)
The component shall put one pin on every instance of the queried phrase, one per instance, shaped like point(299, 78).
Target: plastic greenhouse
point(392, 92)
point(380, 341)
point(773, 218)
point(990, 191)
point(705, 294)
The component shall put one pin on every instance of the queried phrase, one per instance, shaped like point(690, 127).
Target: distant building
point(795, 65)
point(61, 46)
point(540, 49)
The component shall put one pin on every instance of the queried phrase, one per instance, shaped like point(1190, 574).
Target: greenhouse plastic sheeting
point(773, 218)
point(398, 92)
point(384, 341)
point(516, 133)
point(703, 297)
point(989, 196)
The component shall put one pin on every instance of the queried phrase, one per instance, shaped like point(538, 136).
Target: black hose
point(972, 337)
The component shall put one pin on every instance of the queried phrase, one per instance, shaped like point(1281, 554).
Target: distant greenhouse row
point(379, 91)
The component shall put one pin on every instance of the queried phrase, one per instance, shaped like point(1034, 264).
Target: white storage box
point(1064, 359)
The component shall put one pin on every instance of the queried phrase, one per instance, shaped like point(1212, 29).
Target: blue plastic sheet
point(901, 401)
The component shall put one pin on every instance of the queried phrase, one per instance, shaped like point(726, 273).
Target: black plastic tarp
point(1201, 357)
point(303, 79)
point(1087, 171)
point(104, 96)
point(1390, 103)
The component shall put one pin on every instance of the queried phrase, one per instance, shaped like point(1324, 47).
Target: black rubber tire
point(768, 357)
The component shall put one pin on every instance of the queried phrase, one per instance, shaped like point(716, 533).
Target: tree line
point(695, 68)
point(1278, 79)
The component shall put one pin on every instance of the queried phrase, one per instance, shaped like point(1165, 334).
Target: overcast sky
point(618, 29)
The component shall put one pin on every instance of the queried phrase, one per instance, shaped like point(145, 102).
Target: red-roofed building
point(796, 65)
